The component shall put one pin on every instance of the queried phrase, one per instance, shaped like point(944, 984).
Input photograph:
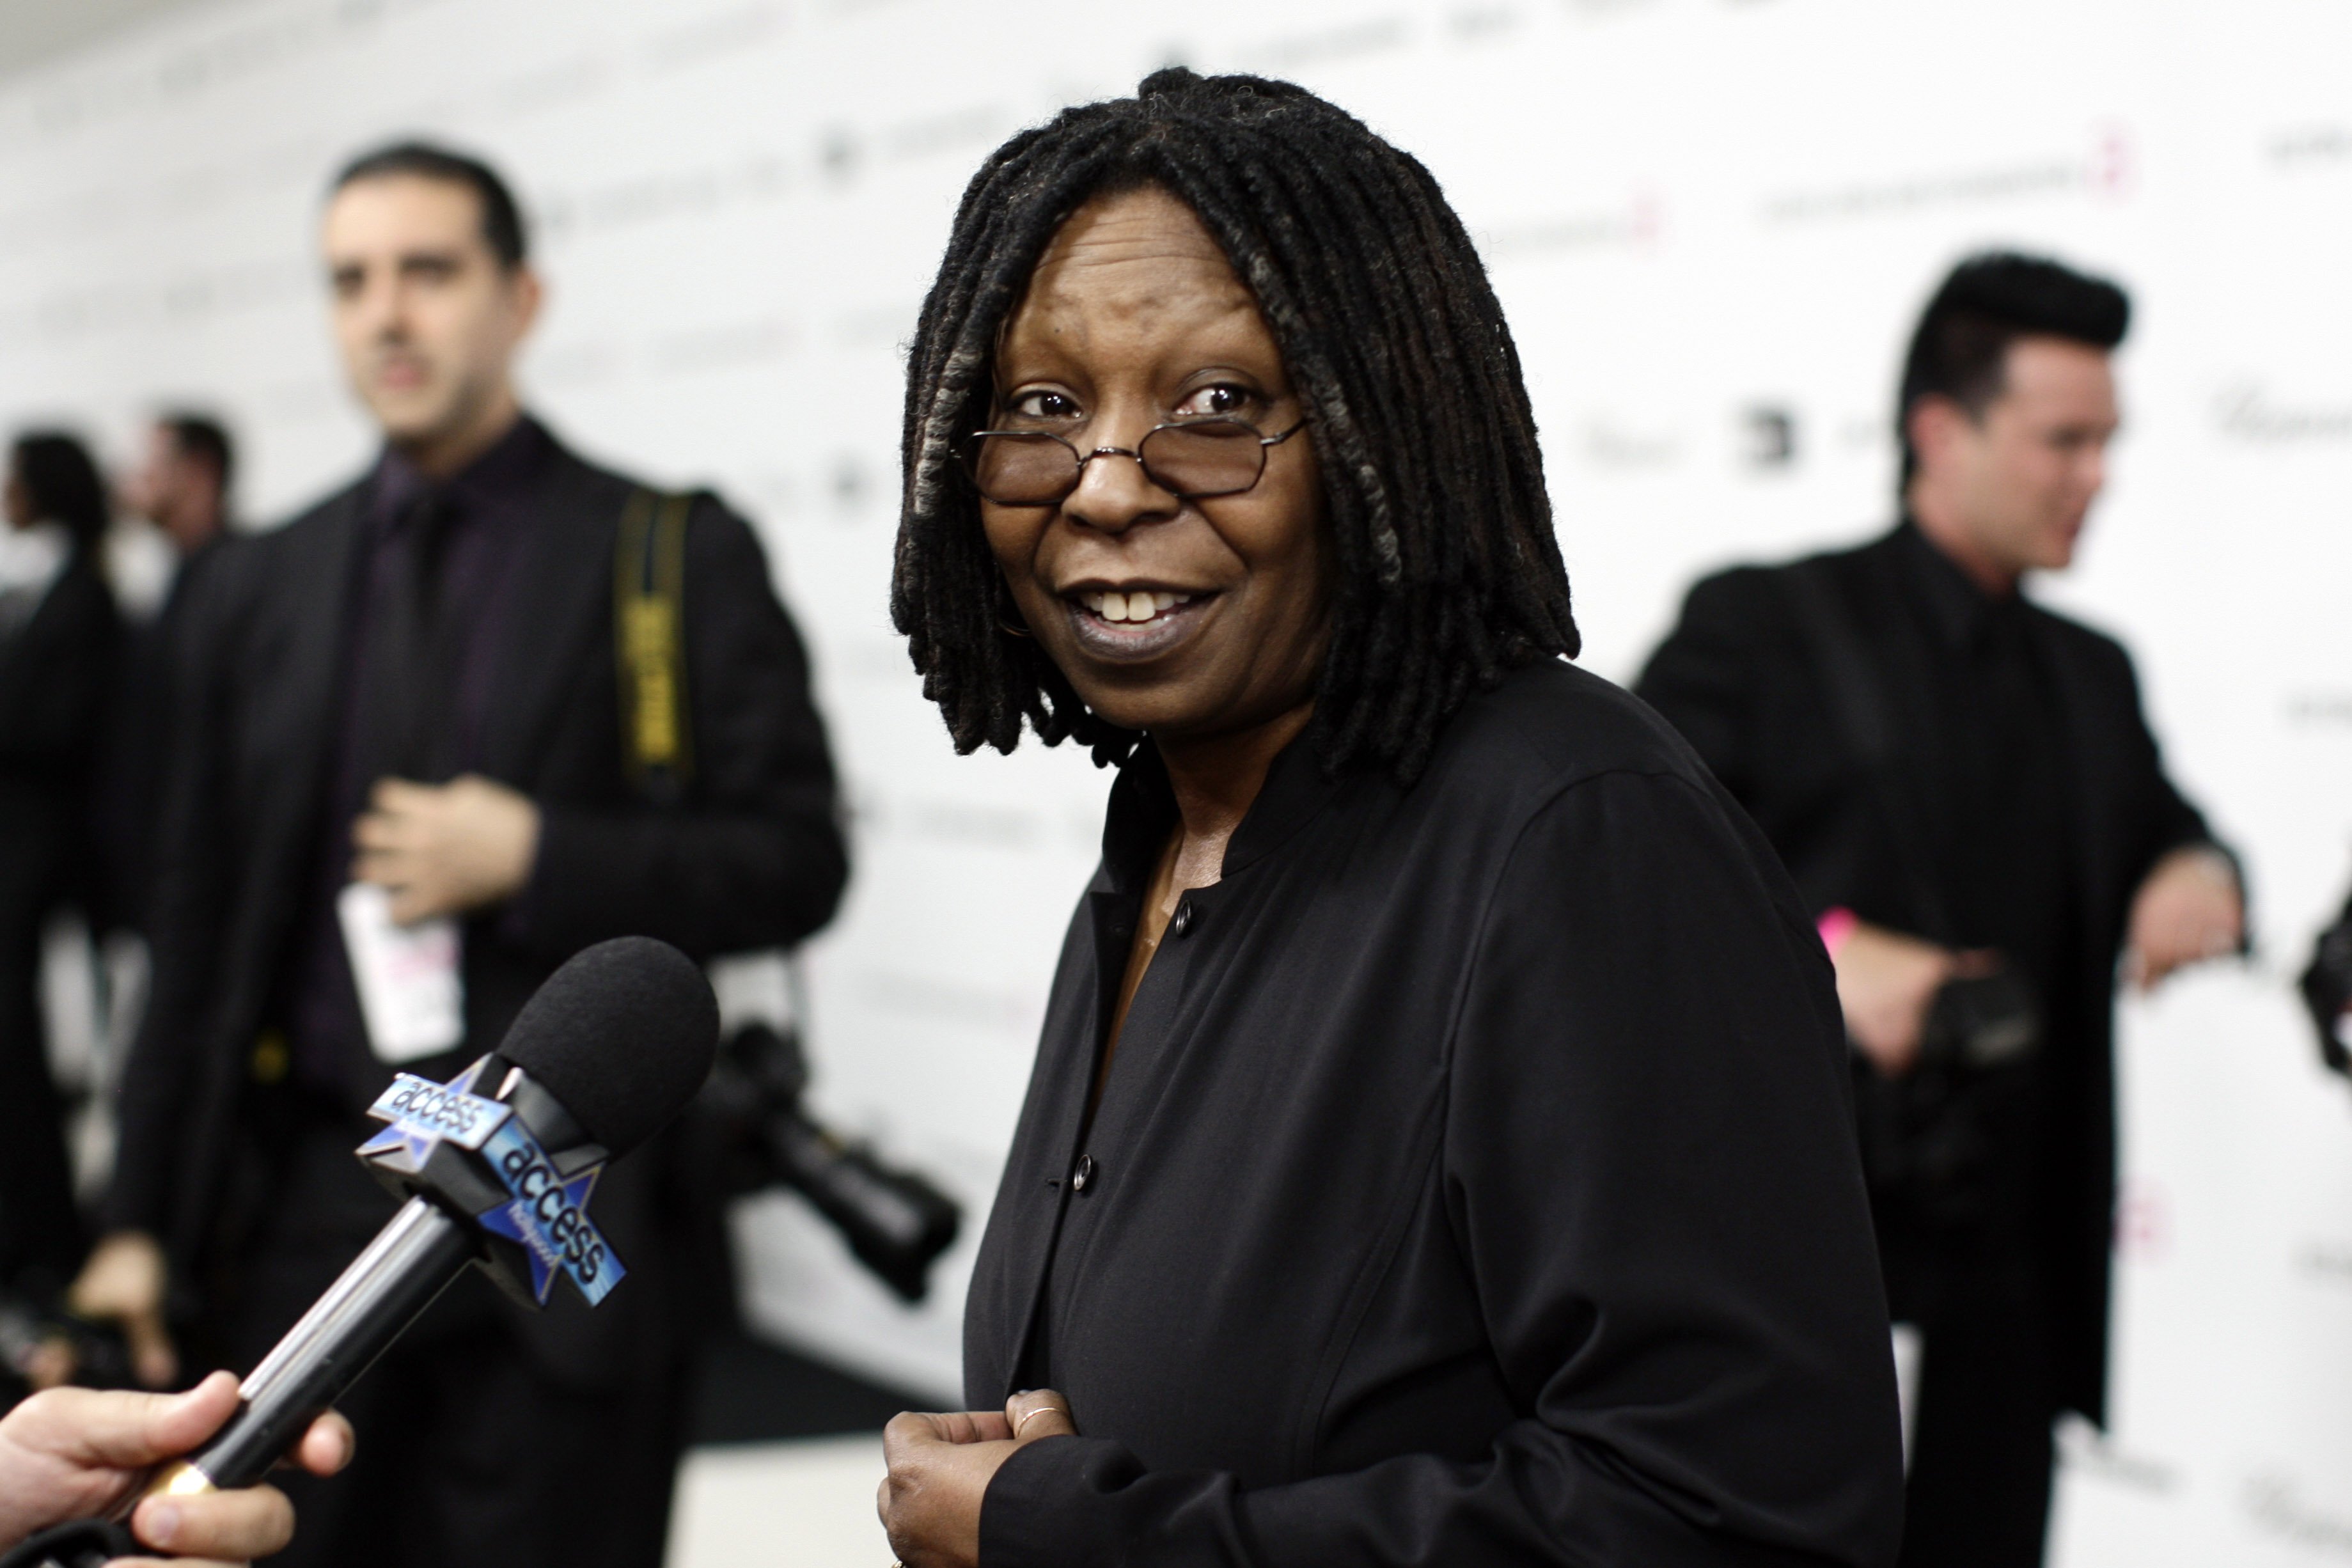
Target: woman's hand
point(72, 1453)
point(940, 1469)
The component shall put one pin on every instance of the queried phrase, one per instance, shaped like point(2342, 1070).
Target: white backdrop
point(1705, 218)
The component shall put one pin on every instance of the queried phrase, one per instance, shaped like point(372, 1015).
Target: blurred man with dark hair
point(57, 647)
point(1967, 790)
point(499, 695)
point(176, 506)
point(183, 484)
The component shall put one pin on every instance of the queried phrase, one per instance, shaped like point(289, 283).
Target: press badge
point(410, 994)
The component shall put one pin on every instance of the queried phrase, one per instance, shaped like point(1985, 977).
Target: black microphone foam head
point(623, 1036)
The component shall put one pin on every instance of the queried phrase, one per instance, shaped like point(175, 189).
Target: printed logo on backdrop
point(2278, 1505)
point(1638, 223)
point(2323, 708)
point(1612, 442)
point(670, 193)
point(2310, 148)
point(2095, 1455)
point(2143, 1222)
point(2249, 411)
point(1768, 437)
point(2325, 1261)
point(2104, 168)
point(1294, 52)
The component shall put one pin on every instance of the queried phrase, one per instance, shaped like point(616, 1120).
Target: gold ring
point(1028, 1418)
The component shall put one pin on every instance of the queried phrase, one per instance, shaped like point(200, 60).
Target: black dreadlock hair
point(1448, 572)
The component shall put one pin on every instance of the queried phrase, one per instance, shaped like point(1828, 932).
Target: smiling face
point(1188, 619)
point(427, 317)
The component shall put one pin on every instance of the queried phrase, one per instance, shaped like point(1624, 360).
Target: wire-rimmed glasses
point(1192, 459)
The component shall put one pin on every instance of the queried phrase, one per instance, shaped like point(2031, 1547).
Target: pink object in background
point(1836, 925)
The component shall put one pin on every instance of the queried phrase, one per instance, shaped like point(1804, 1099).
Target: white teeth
point(1115, 606)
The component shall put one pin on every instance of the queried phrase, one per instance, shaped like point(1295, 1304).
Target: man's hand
point(124, 1282)
point(72, 1453)
point(445, 849)
point(1886, 982)
point(940, 1469)
point(2191, 909)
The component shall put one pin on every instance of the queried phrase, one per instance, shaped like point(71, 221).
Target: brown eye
point(1221, 401)
point(1043, 404)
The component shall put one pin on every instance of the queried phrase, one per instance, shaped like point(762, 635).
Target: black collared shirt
point(1998, 831)
point(1475, 1182)
point(486, 508)
point(1990, 773)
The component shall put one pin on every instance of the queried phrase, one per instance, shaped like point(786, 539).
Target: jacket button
point(1084, 1176)
point(1181, 923)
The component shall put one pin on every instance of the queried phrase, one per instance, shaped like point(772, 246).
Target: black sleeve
point(1651, 1173)
point(756, 858)
point(57, 671)
point(186, 906)
point(1706, 676)
point(2171, 821)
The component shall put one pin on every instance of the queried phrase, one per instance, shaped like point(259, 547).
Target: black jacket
point(1745, 682)
point(57, 673)
point(56, 665)
point(1475, 1182)
point(752, 857)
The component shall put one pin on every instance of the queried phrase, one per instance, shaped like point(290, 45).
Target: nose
point(2091, 473)
point(1113, 493)
point(380, 308)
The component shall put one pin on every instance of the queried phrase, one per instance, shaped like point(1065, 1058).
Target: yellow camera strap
point(649, 643)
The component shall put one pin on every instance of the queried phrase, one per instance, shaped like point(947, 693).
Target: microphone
point(614, 1045)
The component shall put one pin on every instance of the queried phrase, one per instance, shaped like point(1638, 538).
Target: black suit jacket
point(56, 672)
point(1744, 681)
point(1475, 1182)
point(753, 856)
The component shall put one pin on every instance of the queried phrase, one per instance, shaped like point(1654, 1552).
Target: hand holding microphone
point(498, 1165)
point(74, 1451)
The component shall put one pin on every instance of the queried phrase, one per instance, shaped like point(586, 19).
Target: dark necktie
point(407, 671)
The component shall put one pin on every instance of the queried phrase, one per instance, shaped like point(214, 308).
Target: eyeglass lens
point(1208, 458)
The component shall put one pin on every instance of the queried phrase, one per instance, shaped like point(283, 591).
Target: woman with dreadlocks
point(1437, 1151)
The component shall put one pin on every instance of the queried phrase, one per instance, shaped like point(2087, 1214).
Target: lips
point(1134, 623)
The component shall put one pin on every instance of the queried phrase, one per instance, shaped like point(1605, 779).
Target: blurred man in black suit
point(1967, 790)
point(491, 685)
point(59, 637)
point(180, 490)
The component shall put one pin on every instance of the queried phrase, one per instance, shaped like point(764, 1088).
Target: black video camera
point(1935, 1139)
point(895, 1223)
point(2326, 989)
point(1981, 1022)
